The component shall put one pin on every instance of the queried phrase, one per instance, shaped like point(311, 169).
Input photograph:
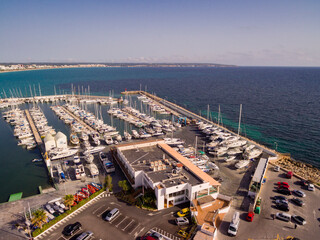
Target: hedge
point(63, 215)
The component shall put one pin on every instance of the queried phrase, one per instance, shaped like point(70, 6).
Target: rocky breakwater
point(304, 170)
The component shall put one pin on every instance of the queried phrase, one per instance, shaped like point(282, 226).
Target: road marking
point(115, 218)
point(128, 224)
point(113, 203)
point(153, 214)
point(167, 214)
point(63, 237)
point(104, 210)
point(134, 229)
point(138, 233)
point(121, 221)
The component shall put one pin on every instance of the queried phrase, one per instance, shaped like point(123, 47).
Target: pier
point(35, 132)
point(180, 111)
point(78, 119)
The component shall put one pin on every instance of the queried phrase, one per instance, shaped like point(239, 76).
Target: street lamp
point(276, 145)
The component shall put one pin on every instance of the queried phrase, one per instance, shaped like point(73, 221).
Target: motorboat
point(79, 171)
point(242, 164)
point(108, 139)
point(254, 153)
point(74, 139)
point(89, 158)
point(93, 169)
point(108, 166)
point(173, 141)
point(103, 156)
point(76, 159)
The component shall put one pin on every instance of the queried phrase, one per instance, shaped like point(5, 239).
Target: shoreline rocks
point(304, 170)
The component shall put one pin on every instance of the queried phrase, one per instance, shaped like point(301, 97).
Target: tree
point(39, 218)
point(69, 200)
point(124, 185)
point(108, 183)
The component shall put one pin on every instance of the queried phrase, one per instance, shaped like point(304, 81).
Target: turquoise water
point(281, 107)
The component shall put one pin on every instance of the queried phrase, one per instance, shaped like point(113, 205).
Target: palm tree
point(69, 200)
point(39, 218)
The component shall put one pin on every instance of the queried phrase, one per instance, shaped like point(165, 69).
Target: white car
point(276, 168)
point(180, 221)
point(310, 187)
point(49, 208)
point(58, 209)
point(60, 204)
point(299, 193)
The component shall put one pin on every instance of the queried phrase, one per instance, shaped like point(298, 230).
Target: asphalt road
point(131, 223)
point(265, 227)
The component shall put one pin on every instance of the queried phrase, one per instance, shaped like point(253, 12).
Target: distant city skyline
point(243, 33)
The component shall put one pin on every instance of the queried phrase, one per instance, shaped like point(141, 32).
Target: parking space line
point(121, 221)
point(98, 215)
point(94, 212)
point(63, 237)
point(128, 224)
point(134, 229)
point(113, 203)
point(115, 218)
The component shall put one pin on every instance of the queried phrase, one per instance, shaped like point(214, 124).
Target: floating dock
point(15, 197)
point(78, 119)
point(35, 132)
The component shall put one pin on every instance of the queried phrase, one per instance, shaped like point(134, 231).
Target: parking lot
point(265, 227)
point(131, 223)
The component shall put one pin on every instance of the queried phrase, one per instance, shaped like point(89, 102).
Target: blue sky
point(240, 32)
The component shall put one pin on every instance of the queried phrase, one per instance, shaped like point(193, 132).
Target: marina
point(80, 123)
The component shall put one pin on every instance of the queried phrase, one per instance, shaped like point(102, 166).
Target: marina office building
point(155, 165)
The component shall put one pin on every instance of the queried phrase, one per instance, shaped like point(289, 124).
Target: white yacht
point(89, 158)
point(79, 171)
point(93, 170)
point(254, 153)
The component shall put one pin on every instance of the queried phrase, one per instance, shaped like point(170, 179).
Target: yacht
point(108, 139)
point(93, 170)
point(242, 164)
point(173, 141)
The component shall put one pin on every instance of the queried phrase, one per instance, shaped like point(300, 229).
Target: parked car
point(303, 183)
point(250, 216)
point(85, 235)
point(280, 201)
point(284, 191)
point(58, 209)
point(49, 208)
point(298, 219)
point(112, 214)
point(181, 221)
point(282, 183)
point(281, 198)
point(155, 235)
point(297, 201)
point(289, 174)
point(276, 168)
point(310, 187)
point(71, 229)
point(283, 216)
point(299, 193)
point(60, 204)
point(234, 224)
point(283, 207)
point(183, 212)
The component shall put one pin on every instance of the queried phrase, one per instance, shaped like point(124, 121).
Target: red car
point(289, 174)
point(283, 185)
point(250, 216)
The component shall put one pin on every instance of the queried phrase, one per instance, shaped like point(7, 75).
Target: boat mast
point(239, 119)
point(208, 112)
point(219, 115)
point(195, 151)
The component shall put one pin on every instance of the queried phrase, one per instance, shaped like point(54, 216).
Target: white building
point(49, 142)
point(174, 179)
point(61, 140)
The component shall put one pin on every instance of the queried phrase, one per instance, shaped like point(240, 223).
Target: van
point(283, 216)
point(234, 224)
point(85, 235)
point(112, 214)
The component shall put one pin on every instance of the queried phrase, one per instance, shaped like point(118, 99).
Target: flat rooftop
point(159, 166)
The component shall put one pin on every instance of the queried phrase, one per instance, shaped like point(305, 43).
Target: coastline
point(36, 69)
